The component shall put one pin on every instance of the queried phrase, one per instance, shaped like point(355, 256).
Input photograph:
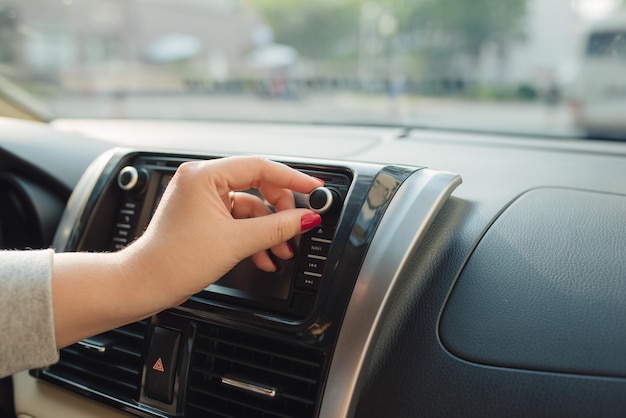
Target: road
point(350, 108)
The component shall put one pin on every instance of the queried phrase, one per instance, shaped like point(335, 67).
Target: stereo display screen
point(247, 281)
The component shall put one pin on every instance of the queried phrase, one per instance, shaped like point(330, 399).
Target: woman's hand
point(194, 238)
point(202, 229)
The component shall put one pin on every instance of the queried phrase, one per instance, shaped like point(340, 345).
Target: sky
point(594, 9)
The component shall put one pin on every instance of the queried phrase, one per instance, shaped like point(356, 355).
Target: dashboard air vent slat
point(294, 371)
point(115, 370)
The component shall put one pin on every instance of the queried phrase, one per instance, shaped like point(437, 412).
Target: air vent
point(109, 363)
point(289, 376)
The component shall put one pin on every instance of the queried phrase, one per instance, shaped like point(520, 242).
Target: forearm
point(95, 292)
point(26, 320)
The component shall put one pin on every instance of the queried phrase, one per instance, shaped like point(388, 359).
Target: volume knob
point(322, 200)
point(129, 178)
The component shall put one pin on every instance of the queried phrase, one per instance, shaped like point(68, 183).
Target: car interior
point(475, 270)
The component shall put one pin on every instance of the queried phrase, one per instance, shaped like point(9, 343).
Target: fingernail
point(319, 179)
point(310, 220)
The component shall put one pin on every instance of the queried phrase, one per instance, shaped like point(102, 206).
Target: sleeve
point(27, 338)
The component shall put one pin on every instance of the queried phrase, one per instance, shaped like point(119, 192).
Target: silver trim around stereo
point(78, 200)
point(409, 214)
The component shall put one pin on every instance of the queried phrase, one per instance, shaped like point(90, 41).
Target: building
point(131, 45)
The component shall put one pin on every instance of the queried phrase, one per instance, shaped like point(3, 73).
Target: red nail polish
point(320, 180)
point(310, 220)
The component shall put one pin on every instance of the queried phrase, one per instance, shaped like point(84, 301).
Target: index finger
point(241, 173)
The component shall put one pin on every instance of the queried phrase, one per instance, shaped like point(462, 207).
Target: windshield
point(550, 67)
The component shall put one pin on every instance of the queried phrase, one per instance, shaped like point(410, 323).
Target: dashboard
point(454, 273)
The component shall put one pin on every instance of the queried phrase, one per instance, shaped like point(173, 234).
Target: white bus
point(600, 90)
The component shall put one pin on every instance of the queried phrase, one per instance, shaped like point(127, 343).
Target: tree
point(318, 29)
point(430, 38)
point(468, 26)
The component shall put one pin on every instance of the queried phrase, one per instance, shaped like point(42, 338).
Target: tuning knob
point(322, 200)
point(129, 178)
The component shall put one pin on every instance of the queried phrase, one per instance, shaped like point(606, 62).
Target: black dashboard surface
point(544, 288)
point(419, 362)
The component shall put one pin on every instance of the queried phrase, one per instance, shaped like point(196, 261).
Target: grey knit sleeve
point(26, 323)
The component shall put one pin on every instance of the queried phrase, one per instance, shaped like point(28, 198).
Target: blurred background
point(554, 67)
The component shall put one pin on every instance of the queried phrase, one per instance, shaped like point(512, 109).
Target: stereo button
point(321, 233)
point(308, 281)
point(126, 217)
point(312, 264)
point(316, 248)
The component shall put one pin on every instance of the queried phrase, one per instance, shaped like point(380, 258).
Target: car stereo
point(293, 287)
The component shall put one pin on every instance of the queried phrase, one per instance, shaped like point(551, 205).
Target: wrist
point(148, 272)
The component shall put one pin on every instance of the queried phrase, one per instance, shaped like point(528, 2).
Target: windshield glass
point(555, 67)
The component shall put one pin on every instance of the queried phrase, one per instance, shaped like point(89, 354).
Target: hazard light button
point(161, 364)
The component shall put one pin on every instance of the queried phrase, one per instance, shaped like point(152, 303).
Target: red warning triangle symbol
point(158, 366)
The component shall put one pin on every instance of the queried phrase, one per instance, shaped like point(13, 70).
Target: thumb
point(264, 232)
